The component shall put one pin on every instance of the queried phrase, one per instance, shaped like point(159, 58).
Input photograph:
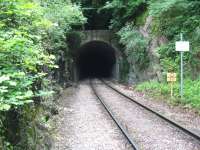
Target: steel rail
point(132, 143)
point(188, 132)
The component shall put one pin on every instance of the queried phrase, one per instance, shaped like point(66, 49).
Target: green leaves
point(32, 34)
point(4, 107)
point(159, 7)
point(170, 19)
point(21, 51)
point(175, 16)
point(135, 46)
point(191, 92)
point(62, 15)
point(4, 78)
point(123, 11)
point(29, 31)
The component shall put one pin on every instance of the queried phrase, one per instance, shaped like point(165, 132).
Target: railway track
point(123, 131)
point(173, 123)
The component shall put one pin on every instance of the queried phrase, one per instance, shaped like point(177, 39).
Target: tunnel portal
point(95, 59)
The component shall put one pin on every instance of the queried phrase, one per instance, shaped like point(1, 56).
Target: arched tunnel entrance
point(95, 59)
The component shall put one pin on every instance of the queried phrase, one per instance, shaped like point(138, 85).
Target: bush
point(123, 11)
point(22, 54)
point(135, 46)
point(172, 18)
point(31, 35)
point(191, 92)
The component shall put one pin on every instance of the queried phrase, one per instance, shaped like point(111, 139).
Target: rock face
point(153, 72)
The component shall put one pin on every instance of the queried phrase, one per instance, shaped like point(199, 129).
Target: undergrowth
point(158, 90)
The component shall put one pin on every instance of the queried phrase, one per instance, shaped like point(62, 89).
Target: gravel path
point(83, 124)
point(149, 131)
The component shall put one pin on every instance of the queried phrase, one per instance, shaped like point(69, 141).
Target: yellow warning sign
point(171, 77)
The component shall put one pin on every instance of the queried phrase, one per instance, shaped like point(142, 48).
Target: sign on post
point(171, 77)
point(182, 46)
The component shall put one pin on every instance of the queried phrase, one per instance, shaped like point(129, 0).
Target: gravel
point(83, 124)
point(149, 131)
point(184, 116)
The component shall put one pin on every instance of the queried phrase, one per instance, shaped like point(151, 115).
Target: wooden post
point(171, 78)
point(171, 83)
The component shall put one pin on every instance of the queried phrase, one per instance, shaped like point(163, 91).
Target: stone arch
point(105, 36)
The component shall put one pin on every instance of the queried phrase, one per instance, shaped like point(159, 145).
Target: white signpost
point(182, 46)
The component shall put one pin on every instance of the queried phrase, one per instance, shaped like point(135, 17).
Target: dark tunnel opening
point(95, 59)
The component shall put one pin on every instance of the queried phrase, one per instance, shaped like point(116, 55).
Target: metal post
point(181, 88)
point(171, 84)
point(181, 75)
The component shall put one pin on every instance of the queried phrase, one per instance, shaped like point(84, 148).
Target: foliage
point(124, 66)
point(169, 58)
point(141, 19)
point(191, 92)
point(153, 87)
point(32, 34)
point(135, 46)
point(123, 11)
point(22, 55)
point(175, 16)
point(170, 19)
point(64, 16)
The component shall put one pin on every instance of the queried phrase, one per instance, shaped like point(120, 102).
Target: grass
point(191, 97)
